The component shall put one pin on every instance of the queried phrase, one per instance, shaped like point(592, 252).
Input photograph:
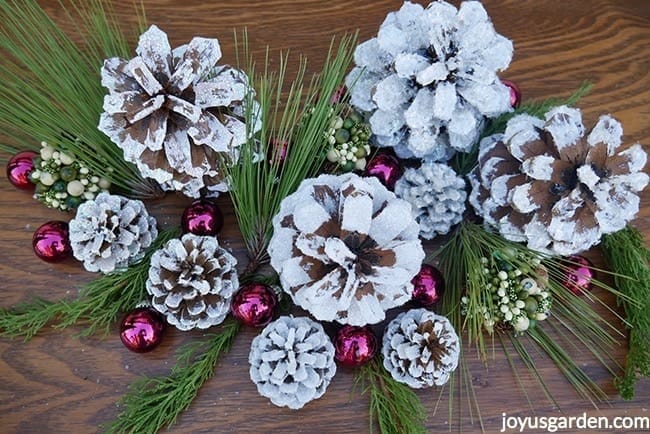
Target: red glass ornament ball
point(142, 329)
point(18, 169)
point(386, 168)
point(277, 151)
point(428, 285)
point(354, 346)
point(51, 242)
point(254, 304)
point(515, 93)
point(202, 217)
point(579, 275)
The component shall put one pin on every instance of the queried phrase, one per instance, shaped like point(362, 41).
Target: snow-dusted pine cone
point(292, 361)
point(420, 348)
point(111, 232)
point(346, 248)
point(547, 183)
point(437, 195)
point(174, 113)
point(192, 281)
point(428, 79)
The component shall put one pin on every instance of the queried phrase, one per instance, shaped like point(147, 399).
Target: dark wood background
point(58, 383)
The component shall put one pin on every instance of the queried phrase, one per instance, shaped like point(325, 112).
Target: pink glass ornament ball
point(51, 242)
point(579, 275)
point(18, 169)
point(354, 346)
point(254, 304)
point(202, 217)
point(428, 285)
point(142, 329)
point(515, 93)
point(386, 168)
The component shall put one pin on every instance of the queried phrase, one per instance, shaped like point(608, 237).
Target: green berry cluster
point(347, 137)
point(62, 182)
point(518, 297)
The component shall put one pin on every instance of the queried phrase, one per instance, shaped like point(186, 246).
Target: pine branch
point(463, 163)
point(394, 406)
point(153, 403)
point(628, 258)
point(98, 305)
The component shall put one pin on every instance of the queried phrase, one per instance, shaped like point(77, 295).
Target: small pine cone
point(192, 281)
point(175, 113)
point(420, 348)
point(346, 248)
point(111, 232)
point(292, 361)
point(547, 183)
point(437, 195)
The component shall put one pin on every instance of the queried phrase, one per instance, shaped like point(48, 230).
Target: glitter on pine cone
point(428, 286)
point(18, 169)
point(579, 275)
point(51, 241)
point(354, 346)
point(202, 217)
point(254, 304)
point(142, 329)
point(386, 168)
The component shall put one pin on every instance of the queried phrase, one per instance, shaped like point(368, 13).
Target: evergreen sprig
point(98, 305)
point(60, 100)
point(628, 258)
point(394, 406)
point(153, 403)
point(293, 112)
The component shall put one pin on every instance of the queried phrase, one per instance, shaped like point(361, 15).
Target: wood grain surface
point(59, 383)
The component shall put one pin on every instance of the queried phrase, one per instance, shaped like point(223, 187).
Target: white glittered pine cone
point(420, 348)
point(437, 195)
point(346, 248)
point(292, 361)
point(111, 232)
point(548, 183)
point(174, 113)
point(428, 80)
point(192, 281)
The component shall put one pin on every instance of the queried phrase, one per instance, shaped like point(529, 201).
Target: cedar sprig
point(294, 111)
point(59, 101)
point(395, 408)
point(98, 305)
point(628, 258)
point(154, 403)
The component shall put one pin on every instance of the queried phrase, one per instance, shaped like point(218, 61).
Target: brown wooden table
point(58, 383)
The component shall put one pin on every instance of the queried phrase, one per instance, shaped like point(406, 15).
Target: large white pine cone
point(111, 232)
point(346, 248)
point(548, 183)
point(420, 348)
point(292, 361)
point(192, 281)
point(428, 80)
point(437, 195)
point(174, 113)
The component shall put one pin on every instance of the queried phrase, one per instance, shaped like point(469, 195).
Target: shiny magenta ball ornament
point(354, 346)
point(18, 169)
point(51, 242)
point(515, 93)
point(386, 168)
point(428, 285)
point(203, 217)
point(142, 329)
point(277, 151)
point(579, 274)
point(254, 304)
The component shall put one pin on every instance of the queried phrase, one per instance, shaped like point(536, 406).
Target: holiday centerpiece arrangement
point(399, 211)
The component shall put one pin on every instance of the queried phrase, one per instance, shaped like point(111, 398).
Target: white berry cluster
point(62, 182)
point(347, 137)
point(516, 299)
